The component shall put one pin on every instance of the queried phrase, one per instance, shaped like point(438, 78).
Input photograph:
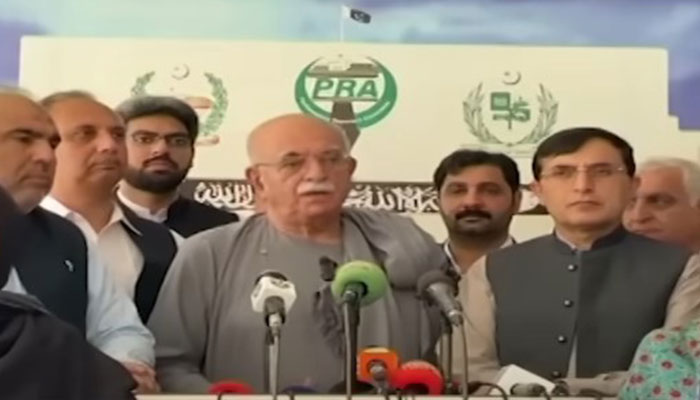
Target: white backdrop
point(236, 85)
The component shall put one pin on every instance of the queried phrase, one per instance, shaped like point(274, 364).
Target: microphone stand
point(446, 355)
point(465, 362)
point(274, 357)
point(351, 322)
point(272, 341)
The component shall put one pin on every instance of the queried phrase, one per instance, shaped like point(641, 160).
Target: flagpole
point(342, 24)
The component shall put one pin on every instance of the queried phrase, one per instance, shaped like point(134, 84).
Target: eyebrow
point(480, 183)
point(146, 131)
point(27, 131)
point(84, 126)
point(656, 194)
point(595, 164)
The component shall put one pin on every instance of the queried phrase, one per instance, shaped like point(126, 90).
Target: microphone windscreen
point(271, 274)
point(435, 276)
point(370, 275)
point(230, 387)
point(369, 356)
point(418, 373)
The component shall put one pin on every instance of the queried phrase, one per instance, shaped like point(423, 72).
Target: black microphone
point(328, 267)
point(439, 289)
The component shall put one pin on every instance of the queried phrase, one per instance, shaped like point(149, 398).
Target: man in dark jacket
point(42, 357)
point(160, 137)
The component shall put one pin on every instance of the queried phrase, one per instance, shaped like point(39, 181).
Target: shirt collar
point(612, 238)
point(52, 204)
point(160, 216)
point(448, 251)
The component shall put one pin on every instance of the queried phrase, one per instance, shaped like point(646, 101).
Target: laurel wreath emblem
point(219, 94)
point(473, 116)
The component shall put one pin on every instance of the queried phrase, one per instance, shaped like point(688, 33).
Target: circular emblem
point(358, 91)
point(505, 111)
point(215, 105)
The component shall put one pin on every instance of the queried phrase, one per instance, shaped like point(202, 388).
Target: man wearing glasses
point(301, 170)
point(160, 137)
point(574, 304)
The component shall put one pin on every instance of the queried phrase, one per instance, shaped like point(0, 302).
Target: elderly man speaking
point(301, 171)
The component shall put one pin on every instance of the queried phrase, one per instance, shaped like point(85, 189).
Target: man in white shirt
point(90, 162)
point(478, 194)
point(55, 263)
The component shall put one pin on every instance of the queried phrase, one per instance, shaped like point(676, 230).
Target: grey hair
point(143, 106)
point(689, 169)
point(57, 97)
point(16, 91)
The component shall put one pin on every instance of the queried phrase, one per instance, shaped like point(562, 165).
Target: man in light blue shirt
point(55, 263)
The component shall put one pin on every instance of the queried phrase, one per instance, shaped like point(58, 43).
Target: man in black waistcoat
point(50, 257)
point(42, 357)
point(574, 304)
point(160, 136)
point(91, 159)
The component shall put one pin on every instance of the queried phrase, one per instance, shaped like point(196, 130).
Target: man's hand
point(144, 376)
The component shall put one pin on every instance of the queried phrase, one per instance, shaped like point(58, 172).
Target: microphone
point(439, 289)
point(274, 296)
point(328, 267)
point(528, 389)
point(378, 365)
point(356, 283)
point(359, 281)
point(418, 377)
point(512, 375)
point(230, 387)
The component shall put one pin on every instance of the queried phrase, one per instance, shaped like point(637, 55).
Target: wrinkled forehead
point(19, 113)
point(660, 180)
point(296, 139)
point(71, 113)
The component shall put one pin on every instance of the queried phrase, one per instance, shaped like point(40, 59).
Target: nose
point(583, 182)
point(43, 153)
point(158, 148)
point(472, 199)
point(637, 213)
point(315, 170)
point(107, 142)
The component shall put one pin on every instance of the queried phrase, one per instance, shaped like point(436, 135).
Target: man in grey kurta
point(205, 328)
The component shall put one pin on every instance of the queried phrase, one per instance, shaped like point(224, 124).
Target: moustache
point(315, 187)
point(166, 159)
point(472, 213)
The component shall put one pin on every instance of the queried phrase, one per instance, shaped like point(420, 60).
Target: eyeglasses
point(294, 162)
point(569, 172)
point(174, 140)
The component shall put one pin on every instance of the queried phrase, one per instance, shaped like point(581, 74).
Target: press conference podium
point(335, 397)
